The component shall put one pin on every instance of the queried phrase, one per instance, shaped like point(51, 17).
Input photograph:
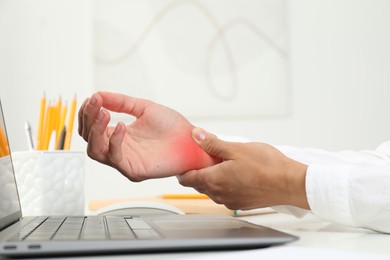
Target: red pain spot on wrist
point(189, 155)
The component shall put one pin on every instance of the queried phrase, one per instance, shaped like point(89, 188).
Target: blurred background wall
point(310, 73)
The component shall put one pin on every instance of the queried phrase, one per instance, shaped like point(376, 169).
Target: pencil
point(185, 196)
point(62, 139)
point(69, 129)
point(2, 153)
point(61, 127)
point(40, 136)
point(4, 150)
point(48, 126)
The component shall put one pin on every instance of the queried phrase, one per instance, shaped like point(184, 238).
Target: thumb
point(211, 144)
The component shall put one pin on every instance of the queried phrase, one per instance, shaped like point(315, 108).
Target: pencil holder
point(50, 182)
point(8, 192)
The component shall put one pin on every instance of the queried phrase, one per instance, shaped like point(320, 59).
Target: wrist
point(296, 184)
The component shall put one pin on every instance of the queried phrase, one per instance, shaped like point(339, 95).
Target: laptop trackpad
point(197, 224)
point(209, 228)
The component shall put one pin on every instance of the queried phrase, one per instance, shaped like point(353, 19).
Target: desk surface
point(313, 233)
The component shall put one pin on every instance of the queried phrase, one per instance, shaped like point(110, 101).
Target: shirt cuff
point(291, 210)
point(327, 192)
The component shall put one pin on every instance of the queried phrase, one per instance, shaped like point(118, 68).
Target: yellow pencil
point(40, 136)
point(60, 129)
point(2, 153)
point(4, 150)
point(48, 126)
point(185, 196)
point(69, 128)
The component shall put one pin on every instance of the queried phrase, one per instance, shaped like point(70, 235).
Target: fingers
point(88, 113)
point(202, 181)
point(111, 101)
point(124, 104)
point(212, 145)
point(80, 116)
point(191, 179)
point(98, 138)
point(115, 145)
point(204, 178)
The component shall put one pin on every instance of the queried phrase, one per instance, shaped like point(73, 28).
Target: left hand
point(157, 144)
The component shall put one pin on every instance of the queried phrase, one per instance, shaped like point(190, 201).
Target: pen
point(57, 119)
point(30, 142)
point(185, 196)
point(258, 211)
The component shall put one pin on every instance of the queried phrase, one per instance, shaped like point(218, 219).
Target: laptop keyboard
point(86, 228)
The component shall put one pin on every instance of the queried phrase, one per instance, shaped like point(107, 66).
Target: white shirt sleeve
point(350, 188)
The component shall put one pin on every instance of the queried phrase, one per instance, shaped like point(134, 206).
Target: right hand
point(251, 175)
point(157, 144)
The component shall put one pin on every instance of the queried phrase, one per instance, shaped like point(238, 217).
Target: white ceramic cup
point(50, 182)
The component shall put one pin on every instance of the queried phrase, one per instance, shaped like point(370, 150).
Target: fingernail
point(199, 134)
point(85, 102)
point(99, 116)
point(117, 128)
point(92, 101)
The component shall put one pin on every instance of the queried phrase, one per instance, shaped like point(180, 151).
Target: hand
point(251, 175)
point(157, 144)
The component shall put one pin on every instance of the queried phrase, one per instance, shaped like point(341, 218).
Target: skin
point(161, 143)
point(251, 175)
point(157, 144)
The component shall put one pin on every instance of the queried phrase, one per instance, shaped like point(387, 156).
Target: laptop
point(88, 235)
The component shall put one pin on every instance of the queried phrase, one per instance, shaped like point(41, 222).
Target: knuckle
point(85, 135)
point(133, 174)
point(182, 180)
point(231, 206)
point(94, 154)
point(134, 178)
point(80, 130)
point(216, 199)
point(90, 153)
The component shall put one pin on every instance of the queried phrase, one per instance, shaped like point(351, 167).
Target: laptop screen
point(9, 200)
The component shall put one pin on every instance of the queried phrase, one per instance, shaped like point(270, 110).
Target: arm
point(348, 187)
point(353, 195)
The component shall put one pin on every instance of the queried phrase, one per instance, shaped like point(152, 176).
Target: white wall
point(207, 59)
point(339, 74)
point(339, 78)
point(45, 47)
